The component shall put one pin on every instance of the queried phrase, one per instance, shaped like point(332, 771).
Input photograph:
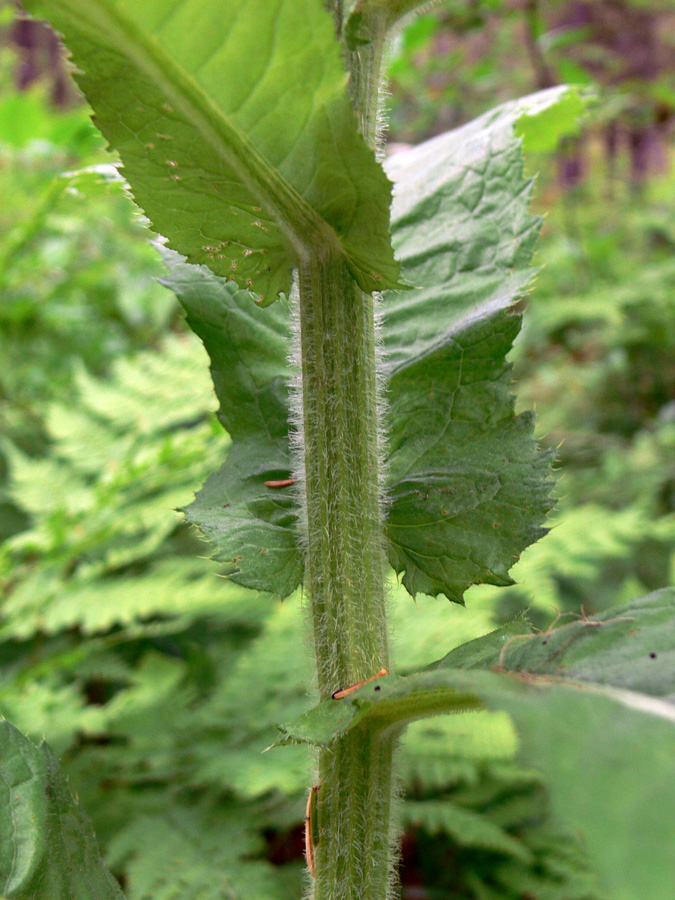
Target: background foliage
point(155, 680)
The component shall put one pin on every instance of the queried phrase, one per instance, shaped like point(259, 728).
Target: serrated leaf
point(613, 652)
point(47, 846)
point(251, 524)
point(459, 456)
point(601, 734)
point(233, 163)
point(469, 489)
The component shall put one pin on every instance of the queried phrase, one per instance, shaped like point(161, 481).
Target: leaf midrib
point(302, 225)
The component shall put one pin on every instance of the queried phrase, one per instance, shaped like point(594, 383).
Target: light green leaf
point(597, 728)
point(541, 127)
point(199, 852)
point(233, 163)
point(47, 846)
point(468, 487)
point(251, 524)
point(610, 770)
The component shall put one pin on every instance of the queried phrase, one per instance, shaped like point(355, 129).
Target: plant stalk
point(345, 571)
point(345, 561)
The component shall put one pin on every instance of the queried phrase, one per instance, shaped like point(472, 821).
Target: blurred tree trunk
point(40, 58)
point(627, 48)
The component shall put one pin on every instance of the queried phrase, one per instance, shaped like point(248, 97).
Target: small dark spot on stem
point(378, 688)
point(652, 655)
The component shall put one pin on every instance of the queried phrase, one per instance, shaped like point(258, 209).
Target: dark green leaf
point(252, 525)
point(231, 161)
point(47, 846)
point(466, 827)
point(469, 489)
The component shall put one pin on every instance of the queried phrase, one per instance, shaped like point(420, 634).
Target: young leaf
point(468, 487)
point(47, 847)
point(236, 132)
point(597, 728)
point(251, 524)
point(542, 128)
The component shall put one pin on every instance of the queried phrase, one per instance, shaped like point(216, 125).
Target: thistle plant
point(358, 350)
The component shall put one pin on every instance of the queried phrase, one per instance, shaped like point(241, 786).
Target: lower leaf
point(47, 847)
point(587, 702)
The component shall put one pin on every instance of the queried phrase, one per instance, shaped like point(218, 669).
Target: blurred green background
point(157, 681)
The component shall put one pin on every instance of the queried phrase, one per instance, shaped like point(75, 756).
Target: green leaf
point(198, 852)
point(597, 728)
point(612, 653)
point(485, 651)
point(466, 827)
point(233, 163)
point(47, 847)
point(467, 485)
point(610, 770)
point(541, 127)
point(629, 646)
point(251, 524)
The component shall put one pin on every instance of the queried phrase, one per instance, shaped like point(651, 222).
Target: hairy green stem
point(345, 571)
point(365, 82)
point(345, 562)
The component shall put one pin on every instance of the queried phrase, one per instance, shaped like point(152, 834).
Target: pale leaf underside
point(233, 164)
